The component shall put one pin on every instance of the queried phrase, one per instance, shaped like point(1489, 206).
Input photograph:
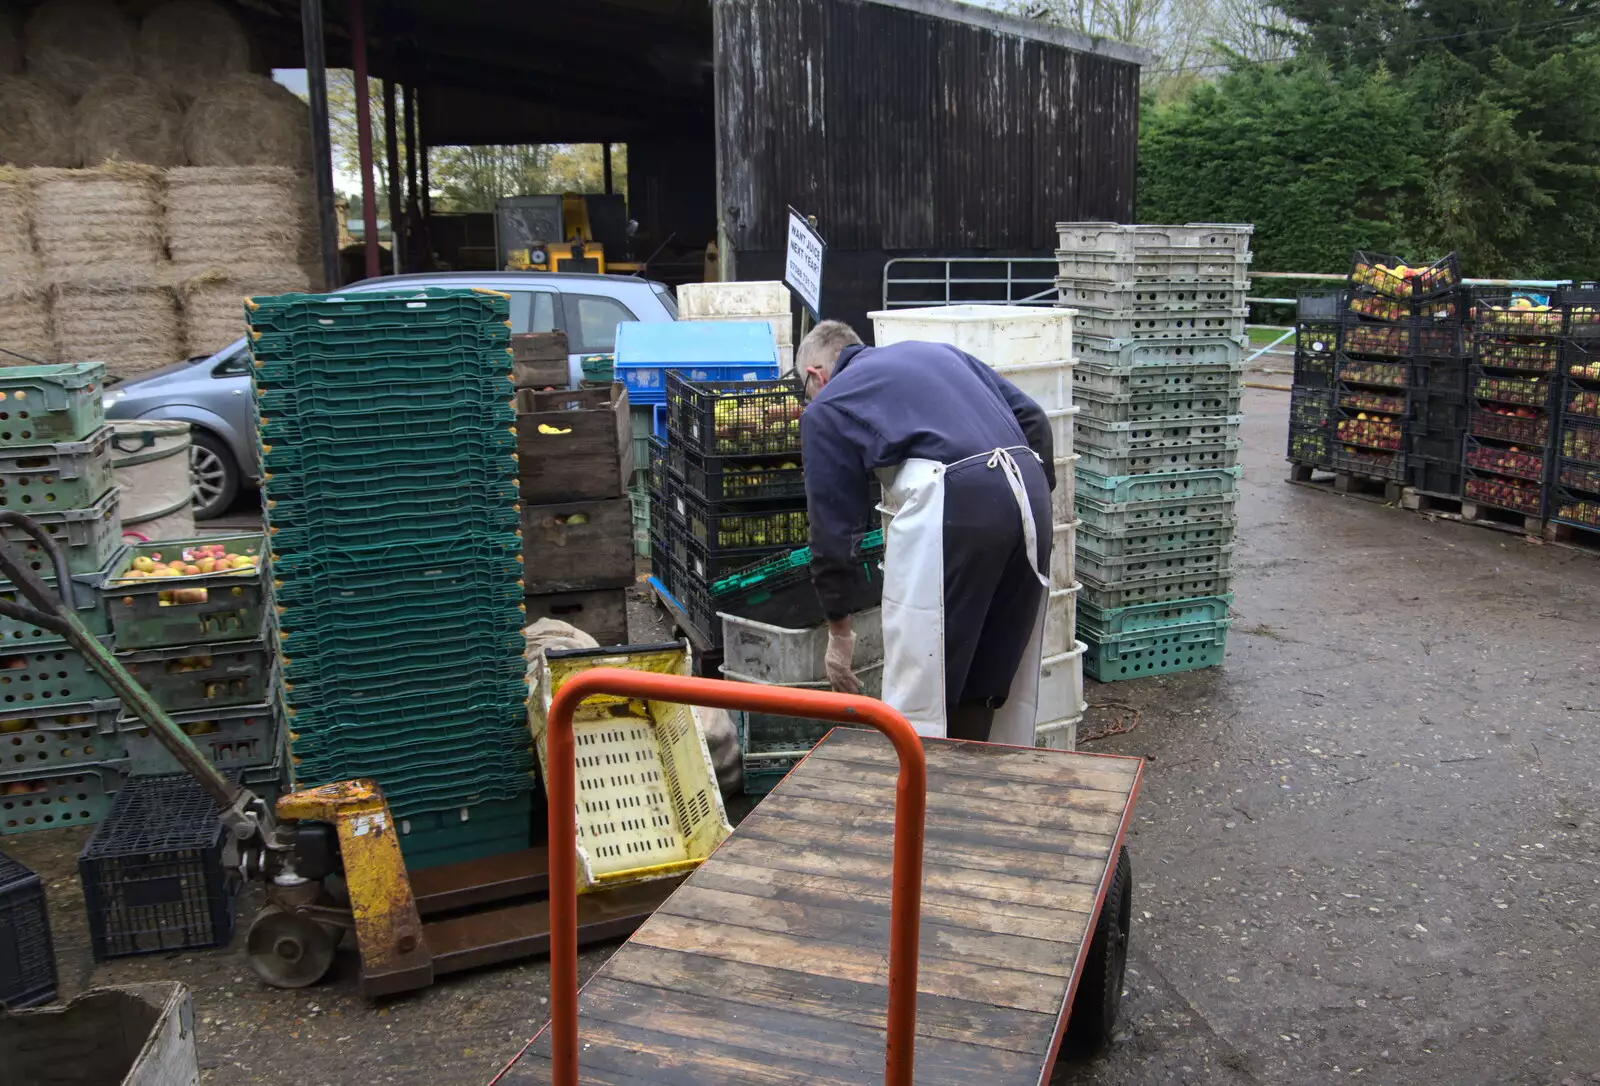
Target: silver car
point(212, 393)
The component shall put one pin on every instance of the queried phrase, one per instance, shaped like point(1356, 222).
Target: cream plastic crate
point(1063, 554)
point(1002, 336)
point(1064, 498)
point(648, 802)
point(782, 328)
point(717, 301)
point(1061, 620)
point(1123, 240)
point(1058, 734)
point(1061, 685)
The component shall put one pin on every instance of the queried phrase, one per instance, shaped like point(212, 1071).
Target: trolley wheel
point(1094, 1007)
point(287, 949)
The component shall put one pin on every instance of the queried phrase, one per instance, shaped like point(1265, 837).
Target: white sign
point(802, 264)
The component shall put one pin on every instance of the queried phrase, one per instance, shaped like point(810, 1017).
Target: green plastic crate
point(401, 307)
point(599, 368)
point(43, 405)
point(462, 500)
point(1141, 406)
point(1154, 652)
point(88, 537)
point(1131, 569)
point(55, 799)
point(187, 678)
point(51, 478)
point(424, 458)
point(432, 838)
point(237, 737)
point(88, 593)
point(458, 417)
point(1160, 514)
point(1143, 542)
point(1156, 486)
point(1145, 617)
point(1180, 585)
point(469, 705)
point(345, 672)
point(232, 610)
point(52, 736)
point(491, 574)
point(363, 489)
point(386, 527)
point(320, 560)
point(48, 675)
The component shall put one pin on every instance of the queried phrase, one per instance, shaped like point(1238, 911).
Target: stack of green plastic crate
point(61, 760)
point(388, 448)
point(1158, 336)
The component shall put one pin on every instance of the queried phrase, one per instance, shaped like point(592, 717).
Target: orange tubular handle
point(905, 904)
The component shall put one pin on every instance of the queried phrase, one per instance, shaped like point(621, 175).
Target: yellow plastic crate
point(648, 802)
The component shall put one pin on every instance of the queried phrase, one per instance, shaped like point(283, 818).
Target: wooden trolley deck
point(769, 964)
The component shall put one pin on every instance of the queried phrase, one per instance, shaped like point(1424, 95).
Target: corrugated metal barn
point(907, 127)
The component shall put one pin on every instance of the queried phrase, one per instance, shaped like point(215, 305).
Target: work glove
point(841, 650)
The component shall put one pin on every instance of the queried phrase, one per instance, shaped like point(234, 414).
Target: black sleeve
point(1034, 422)
point(839, 504)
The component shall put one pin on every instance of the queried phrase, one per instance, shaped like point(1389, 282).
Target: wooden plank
point(948, 830)
point(967, 845)
point(1000, 988)
point(872, 896)
point(974, 885)
point(881, 779)
point(1112, 773)
point(831, 999)
point(575, 546)
point(856, 1052)
point(840, 924)
point(1036, 811)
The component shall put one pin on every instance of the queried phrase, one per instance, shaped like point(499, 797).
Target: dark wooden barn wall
point(907, 134)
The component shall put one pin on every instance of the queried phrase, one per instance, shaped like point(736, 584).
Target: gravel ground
point(1365, 850)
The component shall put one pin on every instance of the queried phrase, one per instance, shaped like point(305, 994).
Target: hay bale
point(247, 120)
point(25, 324)
point(35, 124)
point(127, 320)
point(213, 301)
point(86, 221)
point(18, 264)
point(10, 42)
point(220, 215)
point(189, 43)
point(70, 44)
point(125, 118)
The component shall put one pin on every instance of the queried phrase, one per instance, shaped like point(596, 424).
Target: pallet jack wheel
point(1094, 1007)
point(287, 949)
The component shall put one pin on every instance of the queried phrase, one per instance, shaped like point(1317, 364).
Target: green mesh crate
point(364, 489)
point(346, 531)
point(1161, 651)
point(458, 709)
point(1178, 585)
point(44, 405)
point(288, 564)
point(1145, 617)
point(385, 425)
point(423, 458)
point(199, 608)
point(401, 307)
point(352, 366)
point(345, 668)
point(50, 478)
point(490, 828)
point(1131, 569)
point(397, 396)
point(1156, 486)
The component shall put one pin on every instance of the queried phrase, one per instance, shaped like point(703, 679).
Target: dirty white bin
point(150, 462)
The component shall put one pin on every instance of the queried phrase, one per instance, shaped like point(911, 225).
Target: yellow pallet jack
point(329, 857)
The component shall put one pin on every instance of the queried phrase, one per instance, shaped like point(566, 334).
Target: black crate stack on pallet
point(727, 490)
point(1513, 399)
point(27, 956)
point(1574, 497)
point(1316, 350)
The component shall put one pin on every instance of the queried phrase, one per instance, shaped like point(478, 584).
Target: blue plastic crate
point(700, 350)
point(658, 420)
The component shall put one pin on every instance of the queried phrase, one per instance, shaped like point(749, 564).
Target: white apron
point(913, 599)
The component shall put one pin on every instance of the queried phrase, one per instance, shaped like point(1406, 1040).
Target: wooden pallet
point(1490, 516)
point(770, 963)
point(1426, 501)
point(1572, 535)
point(1345, 482)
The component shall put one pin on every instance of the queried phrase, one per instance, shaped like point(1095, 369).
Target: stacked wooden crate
point(574, 463)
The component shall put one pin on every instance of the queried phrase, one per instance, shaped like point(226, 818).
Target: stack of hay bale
point(123, 138)
point(1159, 333)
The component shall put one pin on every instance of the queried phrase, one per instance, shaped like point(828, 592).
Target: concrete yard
point(1366, 848)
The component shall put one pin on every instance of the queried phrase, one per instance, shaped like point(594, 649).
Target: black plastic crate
point(658, 464)
point(1373, 463)
point(1319, 306)
point(1375, 339)
point(27, 956)
point(744, 479)
point(152, 873)
point(721, 526)
point(1520, 354)
point(1494, 421)
point(735, 418)
point(1580, 439)
point(1436, 445)
point(1581, 311)
point(1380, 273)
point(1313, 370)
point(1527, 463)
point(1370, 432)
point(1523, 389)
point(694, 594)
point(1581, 362)
point(1579, 476)
point(1311, 408)
point(1438, 339)
point(1437, 412)
point(1503, 492)
point(1384, 401)
point(1309, 445)
point(1376, 373)
point(1365, 305)
point(1434, 475)
point(1439, 376)
point(1518, 314)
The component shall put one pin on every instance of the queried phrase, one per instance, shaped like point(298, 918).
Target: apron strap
point(1001, 458)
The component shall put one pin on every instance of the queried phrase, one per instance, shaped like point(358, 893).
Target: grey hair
point(822, 346)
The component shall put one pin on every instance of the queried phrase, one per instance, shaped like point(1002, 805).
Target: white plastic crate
point(763, 653)
point(782, 329)
point(1048, 384)
point(648, 802)
point(1149, 297)
point(1058, 734)
point(1169, 266)
point(1064, 498)
point(1126, 240)
point(1060, 620)
point(1061, 686)
point(714, 301)
point(1002, 336)
point(1061, 429)
point(1063, 552)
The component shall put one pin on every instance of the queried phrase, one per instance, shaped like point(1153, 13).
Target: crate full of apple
point(1514, 460)
point(1584, 403)
point(1581, 443)
point(1518, 314)
point(1534, 391)
point(735, 418)
point(1519, 497)
point(1402, 279)
point(1371, 432)
point(1525, 425)
point(185, 592)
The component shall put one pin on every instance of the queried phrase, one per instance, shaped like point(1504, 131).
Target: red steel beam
point(905, 903)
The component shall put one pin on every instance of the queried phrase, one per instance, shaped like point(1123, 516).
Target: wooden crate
point(586, 450)
point(561, 556)
point(539, 360)
point(601, 613)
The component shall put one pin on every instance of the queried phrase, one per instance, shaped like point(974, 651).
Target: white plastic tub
point(758, 652)
point(715, 301)
point(1063, 498)
point(1058, 734)
point(1063, 552)
point(1061, 685)
point(1002, 336)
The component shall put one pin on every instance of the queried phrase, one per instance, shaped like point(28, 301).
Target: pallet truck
point(329, 857)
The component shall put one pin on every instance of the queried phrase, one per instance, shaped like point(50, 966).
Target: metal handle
point(905, 902)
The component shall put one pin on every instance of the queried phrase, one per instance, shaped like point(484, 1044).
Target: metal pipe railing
point(905, 902)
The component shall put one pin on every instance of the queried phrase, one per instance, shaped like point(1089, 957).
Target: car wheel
point(215, 475)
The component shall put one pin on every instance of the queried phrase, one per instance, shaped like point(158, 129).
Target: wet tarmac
point(1366, 849)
